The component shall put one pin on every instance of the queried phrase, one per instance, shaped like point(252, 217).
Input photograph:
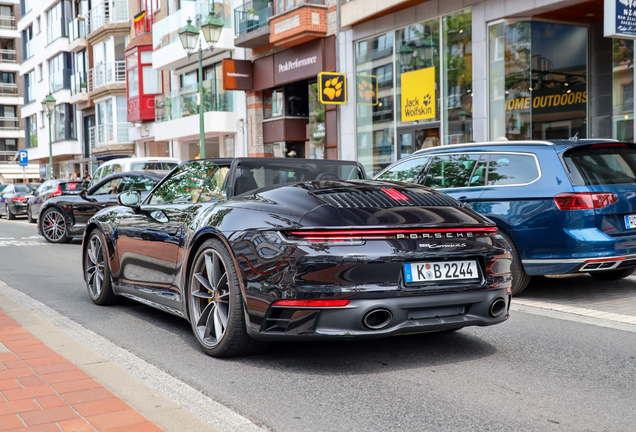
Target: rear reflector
point(312, 303)
point(605, 260)
point(584, 200)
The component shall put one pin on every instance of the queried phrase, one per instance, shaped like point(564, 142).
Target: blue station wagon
point(564, 206)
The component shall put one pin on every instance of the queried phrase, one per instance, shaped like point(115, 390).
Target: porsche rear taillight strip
point(335, 236)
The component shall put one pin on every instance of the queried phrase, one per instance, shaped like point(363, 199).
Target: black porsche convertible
point(262, 249)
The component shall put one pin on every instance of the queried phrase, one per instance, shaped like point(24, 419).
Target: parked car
point(14, 199)
point(63, 218)
point(114, 166)
point(565, 207)
point(50, 189)
point(296, 249)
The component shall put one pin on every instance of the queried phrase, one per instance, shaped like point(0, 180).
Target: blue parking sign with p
point(24, 158)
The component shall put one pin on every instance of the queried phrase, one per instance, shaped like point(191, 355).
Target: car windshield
point(26, 187)
point(145, 166)
point(601, 164)
point(257, 173)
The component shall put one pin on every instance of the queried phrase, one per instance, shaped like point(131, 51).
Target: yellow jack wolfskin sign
point(418, 95)
point(332, 87)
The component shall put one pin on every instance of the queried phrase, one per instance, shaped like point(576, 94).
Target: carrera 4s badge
point(435, 236)
point(437, 246)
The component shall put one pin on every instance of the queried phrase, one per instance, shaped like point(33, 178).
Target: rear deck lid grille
point(386, 197)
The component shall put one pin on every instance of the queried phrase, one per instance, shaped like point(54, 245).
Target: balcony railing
point(107, 12)
point(9, 157)
point(9, 123)
point(109, 133)
point(8, 89)
point(283, 6)
point(77, 29)
point(106, 74)
point(166, 31)
point(143, 22)
point(183, 102)
point(79, 83)
point(7, 22)
point(8, 56)
point(252, 15)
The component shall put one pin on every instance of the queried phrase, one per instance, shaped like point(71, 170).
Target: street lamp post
point(189, 36)
point(48, 104)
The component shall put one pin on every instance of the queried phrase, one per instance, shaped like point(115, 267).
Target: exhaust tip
point(377, 319)
point(497, 307)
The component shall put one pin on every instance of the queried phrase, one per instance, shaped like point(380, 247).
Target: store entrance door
point(417, 138)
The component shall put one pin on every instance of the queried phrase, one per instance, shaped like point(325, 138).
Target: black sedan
point(50, 189)
point(64, 217)
point(293, 249)
point(14, 199)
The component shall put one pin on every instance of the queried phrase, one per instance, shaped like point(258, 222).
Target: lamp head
point(189, 36)
point(48, 104)
point(212, 27)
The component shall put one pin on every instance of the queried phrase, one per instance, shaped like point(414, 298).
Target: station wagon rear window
point(601, 164)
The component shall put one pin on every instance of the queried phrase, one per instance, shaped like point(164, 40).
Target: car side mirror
point(131, 198)
point(82, 194)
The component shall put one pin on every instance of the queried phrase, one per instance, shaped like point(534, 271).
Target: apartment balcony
point(298, 21)
point(111, 139)
point(109, 16)
point(143, 25)
point(77, 30)
point(79, 88)
point(9, 94)
point(8, 29)
point(251, 23)
point(177, 112)
point(9, 60)
point(107, 78)
point(355, 12)
point(10, 128)
point(168, 54)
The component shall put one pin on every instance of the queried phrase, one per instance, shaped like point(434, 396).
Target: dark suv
point(564, 206)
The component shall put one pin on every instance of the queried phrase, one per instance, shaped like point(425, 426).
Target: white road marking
point(7, 238)
point(32, 237)
point(626, 319)
point(23, 243)
point(219, 416)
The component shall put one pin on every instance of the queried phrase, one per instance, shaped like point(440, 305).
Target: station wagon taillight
point(584, 200)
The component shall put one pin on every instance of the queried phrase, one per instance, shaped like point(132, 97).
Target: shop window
point(273, 103)
point(535, 82)
point(297, 99)
point(317, 129)
point(623, 97)
point(457, 63)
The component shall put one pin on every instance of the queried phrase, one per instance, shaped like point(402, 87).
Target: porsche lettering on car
point(253, 250)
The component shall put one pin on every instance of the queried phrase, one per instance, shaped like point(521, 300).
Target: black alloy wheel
point(7, 211)
point(613, 274)
point(53, 226)
point(520, 279)
point(97, 271)
point(215, 304)
point(29, 215)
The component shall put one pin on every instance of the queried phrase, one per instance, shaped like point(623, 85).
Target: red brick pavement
point(41, 391)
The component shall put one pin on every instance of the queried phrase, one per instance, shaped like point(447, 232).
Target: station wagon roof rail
point(526, 142)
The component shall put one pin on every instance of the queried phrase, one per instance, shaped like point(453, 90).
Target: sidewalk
point(52, 382)
point(42, 391)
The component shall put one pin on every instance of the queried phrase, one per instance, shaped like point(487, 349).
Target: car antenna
point(575, 137)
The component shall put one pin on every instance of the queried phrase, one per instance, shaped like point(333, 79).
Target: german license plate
point(439, 271)
point(630, 221)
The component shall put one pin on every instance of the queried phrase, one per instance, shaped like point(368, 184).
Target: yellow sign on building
point(418, 95)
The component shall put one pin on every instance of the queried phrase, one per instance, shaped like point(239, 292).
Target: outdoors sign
point(620, 19)
point(238, 75)
point(418, 95)
point(332, 88)
point(367, 90)
point(23, 156)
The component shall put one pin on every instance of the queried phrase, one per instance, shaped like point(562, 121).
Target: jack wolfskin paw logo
point(426, 99)
point(365, 90)
point(333, 88)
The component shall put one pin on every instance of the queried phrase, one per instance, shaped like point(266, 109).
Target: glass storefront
point(538, 80)
point(623, 90)
point(414, 89)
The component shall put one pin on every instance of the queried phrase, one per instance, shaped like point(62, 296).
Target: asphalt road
point(530, 373)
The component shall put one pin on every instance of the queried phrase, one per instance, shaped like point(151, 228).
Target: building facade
point(11, 99)
point(450, 72)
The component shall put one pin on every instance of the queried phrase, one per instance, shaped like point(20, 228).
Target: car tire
point(520, 279)
point(215, 304)
point(30, 216)
point(97, 271)
point(7, 210)
point(53, 226)
point(613, 274)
